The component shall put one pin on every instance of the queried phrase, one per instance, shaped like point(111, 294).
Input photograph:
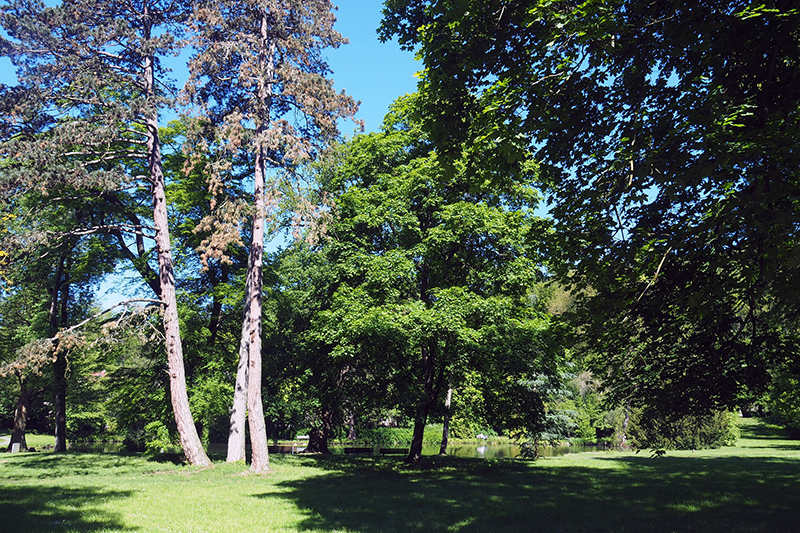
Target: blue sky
point(370, 71)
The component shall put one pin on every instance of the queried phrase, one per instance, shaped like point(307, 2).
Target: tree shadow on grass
point(54, 465)
point(31, 508)
point(609, 493)
point(765, 431)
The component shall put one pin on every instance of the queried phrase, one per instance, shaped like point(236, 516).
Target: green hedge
point(687, 433)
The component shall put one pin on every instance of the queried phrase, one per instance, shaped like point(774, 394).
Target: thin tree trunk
point(624, 437)
point(190, 440)
point(21, 417)
point(446, 425)
point(216, 305)
point(351, 426)
point(60, 363)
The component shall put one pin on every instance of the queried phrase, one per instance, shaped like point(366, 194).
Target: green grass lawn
point(752, 487)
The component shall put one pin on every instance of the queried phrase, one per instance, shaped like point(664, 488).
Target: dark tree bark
point(21, 417)
point(319, 436)
point(432, 382)
point(425, 404)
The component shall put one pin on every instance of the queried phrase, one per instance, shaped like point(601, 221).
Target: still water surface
point(489, 451)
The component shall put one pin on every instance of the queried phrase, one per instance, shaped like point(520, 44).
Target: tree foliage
point(434, 272)
point(85, 116)
point(665, 132)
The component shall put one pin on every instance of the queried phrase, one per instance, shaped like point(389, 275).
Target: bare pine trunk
point(255, 409)
point(236, 433)
point(259, 461)
point(190, 440)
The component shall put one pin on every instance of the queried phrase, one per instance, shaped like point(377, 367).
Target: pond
point(486, 451)
point(508, 451)
point(497, 451)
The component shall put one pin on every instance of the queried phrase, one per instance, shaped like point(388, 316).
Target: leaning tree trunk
point(190, 440)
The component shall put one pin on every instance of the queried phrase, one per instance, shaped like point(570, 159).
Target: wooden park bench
point(281, 448)
point(394, 451)
point(355, 450)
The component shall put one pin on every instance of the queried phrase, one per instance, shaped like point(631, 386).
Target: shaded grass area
point(752, 487)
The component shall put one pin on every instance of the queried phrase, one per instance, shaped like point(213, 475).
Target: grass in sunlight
point(751, 487)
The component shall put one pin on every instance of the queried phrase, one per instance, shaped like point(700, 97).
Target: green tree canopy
point(666, 136)
point(435, 270)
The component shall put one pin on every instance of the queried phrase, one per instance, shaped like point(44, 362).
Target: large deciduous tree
point(434, 272)
point(51, 269)
point(666, 132)
point(260, 79)
point(91, 73)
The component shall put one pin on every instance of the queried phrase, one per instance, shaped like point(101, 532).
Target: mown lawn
point(752, 487)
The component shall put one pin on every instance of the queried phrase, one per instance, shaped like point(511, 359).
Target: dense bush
point(687, 433)
point(784, 398)
point(85, 426)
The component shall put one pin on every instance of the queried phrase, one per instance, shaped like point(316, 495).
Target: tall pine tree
point(260, 80)
point(90, 72)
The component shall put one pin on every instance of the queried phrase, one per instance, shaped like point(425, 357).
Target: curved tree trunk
point(190, 440)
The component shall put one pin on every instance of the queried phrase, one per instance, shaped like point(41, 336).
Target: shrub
point(157, 438)
point(85, 426)
point(387, 437)
point(691, 432)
